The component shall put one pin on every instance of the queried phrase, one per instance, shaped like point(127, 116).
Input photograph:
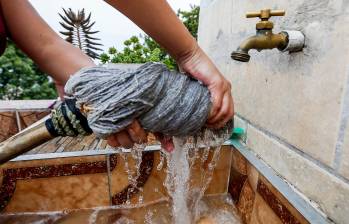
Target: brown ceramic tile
point(238, 174)
point(262, 213)
point(121, 189)
point(30, 117)
point(220, 177)
point(1, 177)
point(16, 174)
point(60, 193)
point(236, 182)
point(281, 207)
point(253, 175)
point(118, 176)
point(8, 125)
point(57, 161)
point(154, 187)
point(245, 203)
point(239, 163)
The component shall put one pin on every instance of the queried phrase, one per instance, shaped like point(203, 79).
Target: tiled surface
point(262, 213)
point(245, 203)
point(214, 209)
point(330, 192)
point(8, 125)
point(251, 192)
point(60, 193)
point(278, 203)
point(154, 189)
point(124, 191)
point(56, 184)
point(220, 176)
point(82, 182)
point(29, 117)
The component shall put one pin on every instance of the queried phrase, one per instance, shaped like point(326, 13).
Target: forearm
point(61, 59)
point(159, 21)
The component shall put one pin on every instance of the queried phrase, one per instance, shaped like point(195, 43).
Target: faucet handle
point(265, 14)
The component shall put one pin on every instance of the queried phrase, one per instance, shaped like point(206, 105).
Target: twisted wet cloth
point(163, 101)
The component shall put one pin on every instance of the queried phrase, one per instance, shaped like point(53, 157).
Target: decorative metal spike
point(78, 31)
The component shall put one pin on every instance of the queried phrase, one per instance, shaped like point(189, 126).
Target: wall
point(295, 107)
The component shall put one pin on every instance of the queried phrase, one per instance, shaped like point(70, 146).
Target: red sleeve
point(3, 34)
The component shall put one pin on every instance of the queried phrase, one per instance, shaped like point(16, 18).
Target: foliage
point(20, 78)
point(144, 49)
point(78, 31)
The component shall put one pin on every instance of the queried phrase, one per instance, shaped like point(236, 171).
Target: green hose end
point(238, 133)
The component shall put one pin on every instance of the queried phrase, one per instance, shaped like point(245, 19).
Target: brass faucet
point(265, 38)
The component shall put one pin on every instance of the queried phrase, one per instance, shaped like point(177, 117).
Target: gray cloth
point(162, 101)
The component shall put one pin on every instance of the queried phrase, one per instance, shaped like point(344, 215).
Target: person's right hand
point(134, 133)
point(198, 64)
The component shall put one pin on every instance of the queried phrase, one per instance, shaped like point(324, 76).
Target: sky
point(113, 26)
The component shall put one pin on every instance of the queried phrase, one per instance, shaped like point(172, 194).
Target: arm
point(158, 20)
point(54, 55)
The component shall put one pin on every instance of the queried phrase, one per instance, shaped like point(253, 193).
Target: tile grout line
point(342, 127)
point(107, 157)
point(295, 149)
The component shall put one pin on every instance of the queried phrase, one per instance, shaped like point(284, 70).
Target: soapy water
point(186, 190)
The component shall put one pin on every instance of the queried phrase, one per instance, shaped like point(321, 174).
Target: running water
point(177, 181)
point(185, 198)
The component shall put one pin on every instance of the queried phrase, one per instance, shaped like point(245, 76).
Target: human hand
point(60, 89)
point(198, 65)
point(126, 138)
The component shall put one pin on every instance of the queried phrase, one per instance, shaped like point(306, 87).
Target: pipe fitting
point(295, 41)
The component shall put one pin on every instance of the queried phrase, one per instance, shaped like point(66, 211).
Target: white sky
point(113, 26)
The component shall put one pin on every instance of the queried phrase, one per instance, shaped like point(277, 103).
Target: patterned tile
point(124, 191)
point(253, 176)
point(220, 177)
point(262, 213)
point(57, 184)
point(239, 163)
point(8, 125)
point(236, 182)
point(281, 207)
point(246, 201)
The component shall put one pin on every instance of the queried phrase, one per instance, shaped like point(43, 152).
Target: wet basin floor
point(212, 209)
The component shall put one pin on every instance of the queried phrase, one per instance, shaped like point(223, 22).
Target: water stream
point(184, 195)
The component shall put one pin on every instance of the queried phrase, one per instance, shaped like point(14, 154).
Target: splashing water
point(185, 201)
point(177, 181)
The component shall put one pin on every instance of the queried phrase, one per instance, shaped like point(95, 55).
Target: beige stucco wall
point(295, 106)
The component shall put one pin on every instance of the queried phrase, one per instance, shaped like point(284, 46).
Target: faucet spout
point(264, 39)
point(287, 40)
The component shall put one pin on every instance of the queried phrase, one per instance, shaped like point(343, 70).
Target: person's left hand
point(126, 138)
